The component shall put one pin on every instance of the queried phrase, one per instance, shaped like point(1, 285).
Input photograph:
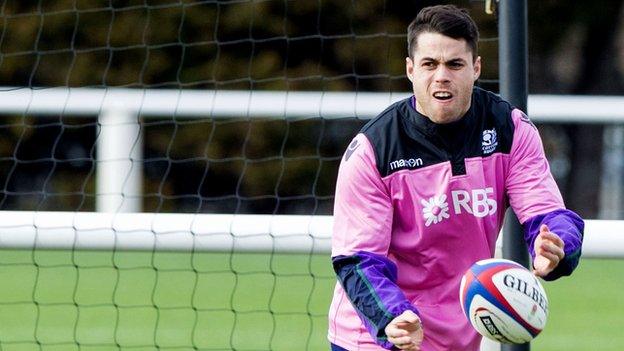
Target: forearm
point(369, 281)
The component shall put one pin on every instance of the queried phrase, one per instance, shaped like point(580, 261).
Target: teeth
point(442, 95)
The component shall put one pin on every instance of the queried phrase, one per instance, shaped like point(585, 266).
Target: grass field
point(59, 300)
point(586, 309)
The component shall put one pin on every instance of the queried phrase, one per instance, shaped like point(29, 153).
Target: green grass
point(59, 300)
point(586, 309)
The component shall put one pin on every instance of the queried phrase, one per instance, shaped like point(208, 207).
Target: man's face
point(442, 73)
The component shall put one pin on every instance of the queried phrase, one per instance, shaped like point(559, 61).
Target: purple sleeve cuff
point(569, 227)
point(370, 283)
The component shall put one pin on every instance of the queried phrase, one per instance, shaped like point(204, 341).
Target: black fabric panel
point(404, 139)
point(359, 293)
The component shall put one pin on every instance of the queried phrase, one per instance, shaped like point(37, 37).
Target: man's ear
point(409, 68)
point(477, 68)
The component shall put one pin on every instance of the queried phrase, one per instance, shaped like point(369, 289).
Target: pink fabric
point(434, 226)
point(531, 188)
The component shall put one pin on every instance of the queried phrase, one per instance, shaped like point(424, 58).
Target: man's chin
point(441, 113)
point(443, 118)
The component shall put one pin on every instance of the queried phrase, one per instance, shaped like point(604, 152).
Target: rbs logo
point(477, 202)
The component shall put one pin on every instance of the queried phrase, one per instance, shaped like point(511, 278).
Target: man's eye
point(455, 65)
point(428, 64)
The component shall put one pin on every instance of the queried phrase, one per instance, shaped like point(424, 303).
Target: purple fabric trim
point(335, 347)
point(370, 283)
point(569, 226)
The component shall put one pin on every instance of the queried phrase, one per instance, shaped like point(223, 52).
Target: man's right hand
point(405, 331)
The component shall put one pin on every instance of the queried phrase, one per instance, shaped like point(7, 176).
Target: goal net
point(168, 167)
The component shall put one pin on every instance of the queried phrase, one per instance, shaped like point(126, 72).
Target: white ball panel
point(495, 324)
point(525, 294)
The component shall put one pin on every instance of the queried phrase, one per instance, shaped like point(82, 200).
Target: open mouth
point(442, 95)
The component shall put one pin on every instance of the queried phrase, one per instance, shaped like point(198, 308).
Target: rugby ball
point(503, 301)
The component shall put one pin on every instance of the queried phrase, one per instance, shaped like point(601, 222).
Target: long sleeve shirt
point(417, 203)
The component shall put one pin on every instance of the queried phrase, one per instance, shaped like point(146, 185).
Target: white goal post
point(212, 232)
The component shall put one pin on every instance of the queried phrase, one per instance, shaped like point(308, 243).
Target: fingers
point(402, 344)
point(548, 250)
point(554, 259)
point(407, 316)
point(405, 331)
point(547, 257)
point(541, 272)
point(548, 244)
point(552, 237)
point(545, 233)
point(400, 327)
point(393, 332)
point(401, 339)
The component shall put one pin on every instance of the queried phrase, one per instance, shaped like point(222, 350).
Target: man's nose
point(442, 74)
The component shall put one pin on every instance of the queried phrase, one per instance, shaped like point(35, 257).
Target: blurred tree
point(268, 165)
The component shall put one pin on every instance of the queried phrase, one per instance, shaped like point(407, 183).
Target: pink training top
point(431, 223)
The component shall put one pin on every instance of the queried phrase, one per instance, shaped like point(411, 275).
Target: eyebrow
point(453, 60)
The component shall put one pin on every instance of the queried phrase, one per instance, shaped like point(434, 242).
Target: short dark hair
point(448, 20)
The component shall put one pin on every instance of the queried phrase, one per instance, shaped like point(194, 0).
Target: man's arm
point(553, 233)
point(370, 283)
point(362, 230)
point(568, 228)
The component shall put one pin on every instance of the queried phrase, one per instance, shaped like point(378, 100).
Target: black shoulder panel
point(404, 139)
point(398, 144)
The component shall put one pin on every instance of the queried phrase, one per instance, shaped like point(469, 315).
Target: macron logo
point(403, 163)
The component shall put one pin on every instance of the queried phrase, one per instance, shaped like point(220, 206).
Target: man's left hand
point(548, 252)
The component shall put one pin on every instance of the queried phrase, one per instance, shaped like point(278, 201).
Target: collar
point(425, 125)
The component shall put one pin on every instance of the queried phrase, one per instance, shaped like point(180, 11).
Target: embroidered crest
point(490, 141)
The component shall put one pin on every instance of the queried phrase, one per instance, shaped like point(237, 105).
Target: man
point(421, 195)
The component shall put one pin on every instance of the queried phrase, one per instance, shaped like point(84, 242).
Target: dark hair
point(448, 20)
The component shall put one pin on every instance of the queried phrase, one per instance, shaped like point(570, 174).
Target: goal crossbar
point(270, 104)
point(165, 232)
point(212, 232)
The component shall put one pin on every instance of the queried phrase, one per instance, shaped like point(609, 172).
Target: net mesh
point(104, 300)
